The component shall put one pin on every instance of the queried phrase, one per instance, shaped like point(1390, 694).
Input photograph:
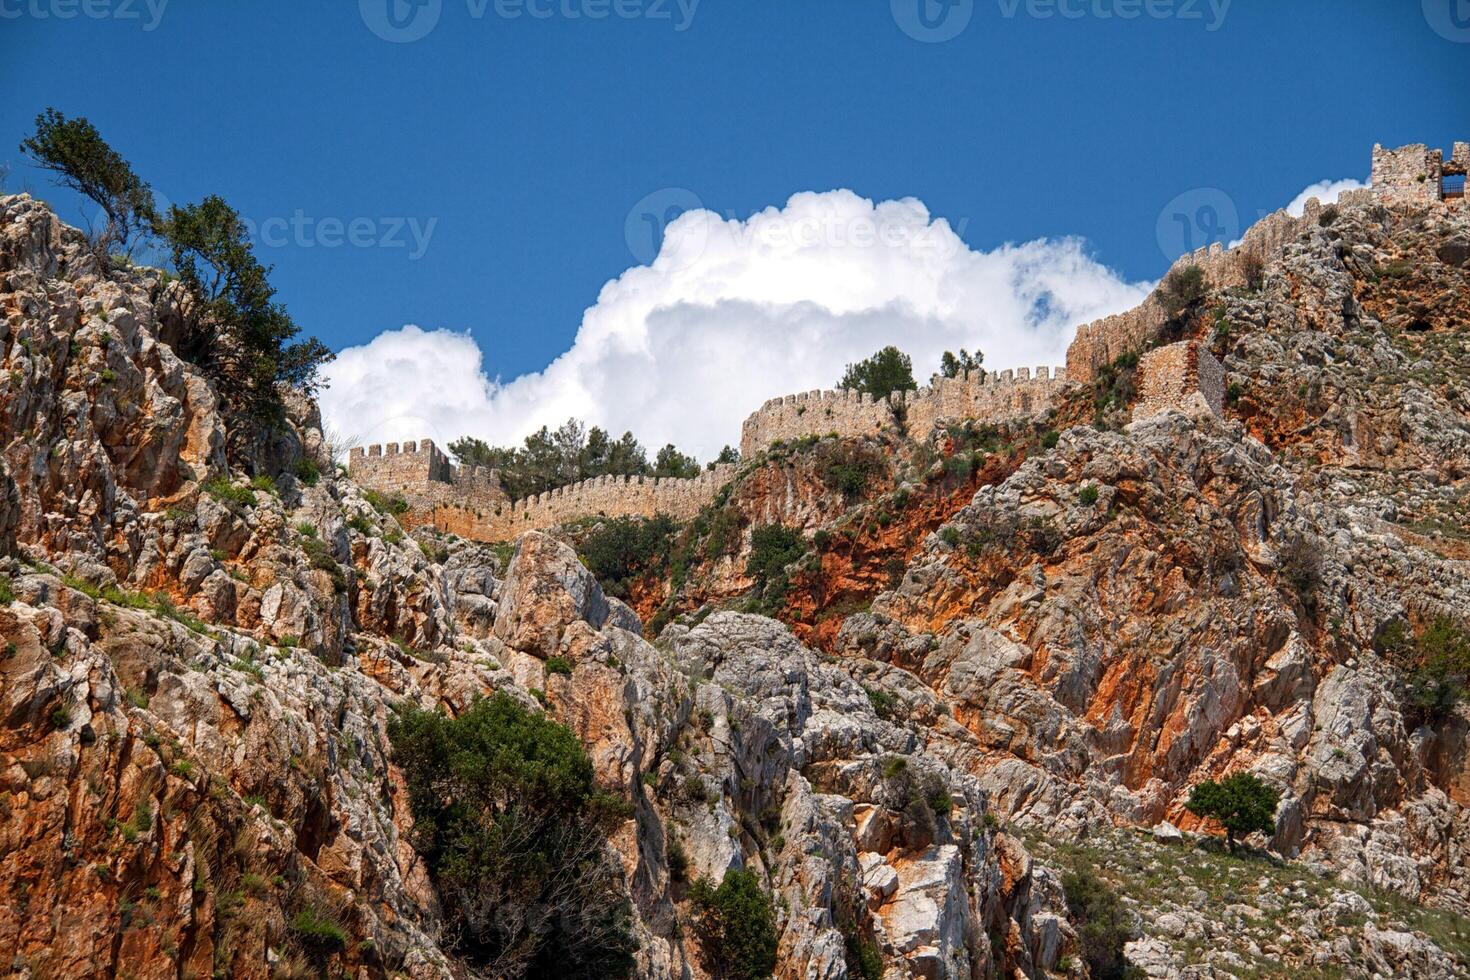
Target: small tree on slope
point(1241, 803)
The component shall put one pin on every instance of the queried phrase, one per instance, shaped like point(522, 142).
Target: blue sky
point(509, 151)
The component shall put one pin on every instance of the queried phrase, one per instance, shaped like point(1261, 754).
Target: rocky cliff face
point(1003, 648)
point(200, 668)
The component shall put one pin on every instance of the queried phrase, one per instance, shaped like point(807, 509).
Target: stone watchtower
point(1415, 174)
point(425, 476)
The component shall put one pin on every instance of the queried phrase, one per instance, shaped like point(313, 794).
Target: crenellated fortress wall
point(1006, 396)
point(992, 396)
point(1414, 174)
point(470, 502)
point(1102, 342)
point(604, 496)
point(847, 413)
point(424, 475)
point(1408, 175)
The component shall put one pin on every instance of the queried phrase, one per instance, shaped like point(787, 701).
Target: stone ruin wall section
point(1407, 175)
point(1102, 342)
point(1179, 376)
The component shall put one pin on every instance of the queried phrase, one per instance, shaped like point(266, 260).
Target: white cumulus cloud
point(731, 313)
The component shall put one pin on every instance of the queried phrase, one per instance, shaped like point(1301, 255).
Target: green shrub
point(678, 859)
point(221, 489)
point(558, 665)
point(1103, 925)
point(1182, 289)
point(318, 932)
point(723, 535)
point(885, 372)
point(1242, 803)
point(950, 535)
point(1437, 664)
point(736, 926)
point(513, 830)
point(1113, 387)
point(848, 468)
point(864, 958)
point(361, 525)
point(884, 704)
point(319, 556)
point(621, 550)
point(307, 471)
point(1300, 564)
point(7, 590)
point(773, 547)
point(386, 503)
point(958, 466)
point(1087, 496)
point(264, 483)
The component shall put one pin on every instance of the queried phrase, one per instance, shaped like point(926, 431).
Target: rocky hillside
point(921, 692)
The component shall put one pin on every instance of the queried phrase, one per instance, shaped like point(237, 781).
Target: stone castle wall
point(1414, 174)
point(605, 496)
point(470, 502)
point(1183, 375)
point(847, 413)
point(994, 397)
point(1007, 396)
point(424, 475)
point(1406, 175)
point(1102, 342)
